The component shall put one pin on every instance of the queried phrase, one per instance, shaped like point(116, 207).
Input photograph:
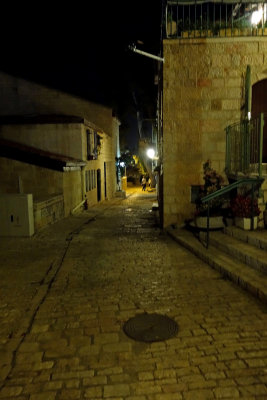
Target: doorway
point(98, 184)
point(105, 179)
point(259, 105)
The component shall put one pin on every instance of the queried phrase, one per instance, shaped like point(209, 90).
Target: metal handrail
point(227, 189)
point(244, 146)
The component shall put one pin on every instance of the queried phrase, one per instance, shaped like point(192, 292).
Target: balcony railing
point(244, 147)
point(196, 19)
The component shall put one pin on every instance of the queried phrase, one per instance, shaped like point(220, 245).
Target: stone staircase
point(240, 256)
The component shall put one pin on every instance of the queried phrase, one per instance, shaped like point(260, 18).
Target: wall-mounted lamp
point(259, 15)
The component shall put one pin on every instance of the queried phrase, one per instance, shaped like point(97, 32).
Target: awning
point(31, 155)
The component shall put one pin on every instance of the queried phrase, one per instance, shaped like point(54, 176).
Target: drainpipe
point(144, 53)
point(82, 191)
point(78, 206)
point(20, 184)
point(248, 93)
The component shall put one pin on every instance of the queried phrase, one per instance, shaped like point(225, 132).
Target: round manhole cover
point(150, 328)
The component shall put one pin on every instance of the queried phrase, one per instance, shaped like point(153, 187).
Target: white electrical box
point(16, 215)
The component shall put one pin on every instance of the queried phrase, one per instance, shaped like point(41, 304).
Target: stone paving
point(67, 292)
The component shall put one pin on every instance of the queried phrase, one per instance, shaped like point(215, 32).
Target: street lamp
point(259, 15)
point(150, 153)
point(256, 17)
point(123, 165)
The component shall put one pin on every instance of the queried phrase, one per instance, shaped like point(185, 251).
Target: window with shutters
point(92, 143)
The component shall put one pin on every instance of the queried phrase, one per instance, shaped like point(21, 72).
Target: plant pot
point(229, 221)
point(214, 223)
point(245, 223)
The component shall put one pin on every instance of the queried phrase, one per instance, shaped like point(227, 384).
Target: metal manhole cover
point(150, 328)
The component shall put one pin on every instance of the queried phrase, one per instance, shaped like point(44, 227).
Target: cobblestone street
point(67, 292)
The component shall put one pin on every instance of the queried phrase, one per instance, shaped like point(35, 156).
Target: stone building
point(204, 91)
point(52, 146)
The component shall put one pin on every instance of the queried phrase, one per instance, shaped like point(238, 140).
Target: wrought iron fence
point(244, 147)
point(200, 18)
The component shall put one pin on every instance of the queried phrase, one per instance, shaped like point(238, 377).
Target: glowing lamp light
point(150, 153)
point(256, 17)
point(122, 164)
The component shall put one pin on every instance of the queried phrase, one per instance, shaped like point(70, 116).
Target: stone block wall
point(203, 92)
point(64, 139)
point(42, 183)
point(21, 97)
point(47, 210)
point(18, 176)
point(107, 155)
point(72, 190)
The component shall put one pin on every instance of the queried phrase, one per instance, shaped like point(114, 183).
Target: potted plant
point(212, 182)
point(244, 212)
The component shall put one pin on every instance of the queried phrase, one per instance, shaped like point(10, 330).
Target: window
point(92, 142)
point(90, 180)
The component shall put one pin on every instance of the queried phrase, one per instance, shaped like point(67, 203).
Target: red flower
point(242, 207)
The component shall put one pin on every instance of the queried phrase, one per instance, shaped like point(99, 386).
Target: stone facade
point(203, 92)
point(68, 139)
point(71, 140)
point(18, 176)
point(63, 135)
point(47, 210)
point(21, 97)
point(105, 162)
point(59, 138)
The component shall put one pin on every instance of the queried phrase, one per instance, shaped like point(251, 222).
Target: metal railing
point(195, 18)
point(241, 182)
point(244, 147)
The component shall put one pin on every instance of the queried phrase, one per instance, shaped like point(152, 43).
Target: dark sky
point(82, 48)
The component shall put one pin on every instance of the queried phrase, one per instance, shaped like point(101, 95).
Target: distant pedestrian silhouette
point(143, 183)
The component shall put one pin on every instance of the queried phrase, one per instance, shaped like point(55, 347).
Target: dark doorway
point(105, 179)
point(259, 105)
point(98, 184)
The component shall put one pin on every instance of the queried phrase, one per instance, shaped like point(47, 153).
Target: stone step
point(242, 251)
point(252, 280)
point(257, 238)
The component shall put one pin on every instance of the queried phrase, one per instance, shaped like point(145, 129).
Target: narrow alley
point(67, 292)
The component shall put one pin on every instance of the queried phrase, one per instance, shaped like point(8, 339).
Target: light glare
point(256, 17)
point(150, 153)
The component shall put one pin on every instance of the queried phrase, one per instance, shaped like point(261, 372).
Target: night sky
point(82, 48)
